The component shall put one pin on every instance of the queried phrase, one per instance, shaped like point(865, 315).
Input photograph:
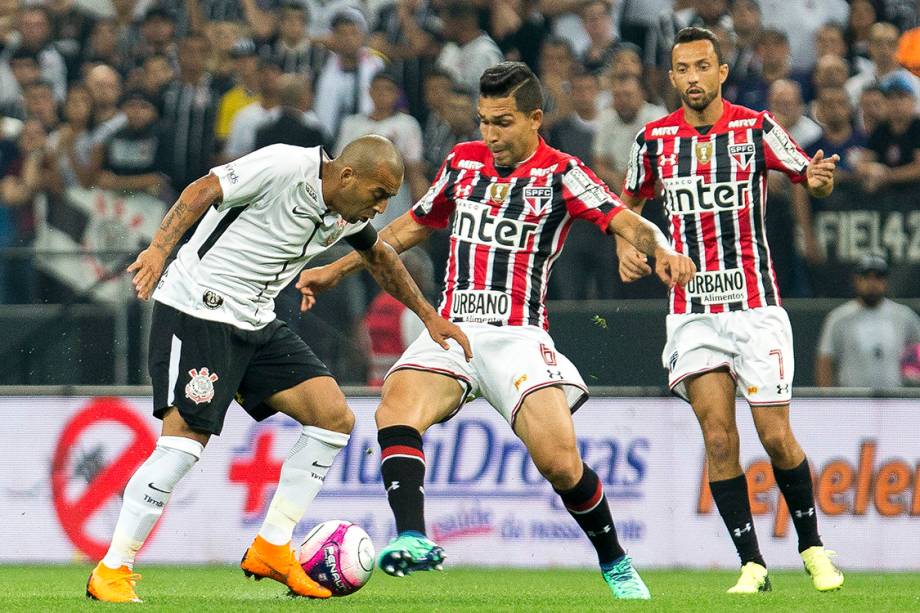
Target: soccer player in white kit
point(727, 329)
point(513, 199)
point(214, 335)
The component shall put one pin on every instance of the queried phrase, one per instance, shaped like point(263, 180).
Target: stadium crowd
point(141, 96)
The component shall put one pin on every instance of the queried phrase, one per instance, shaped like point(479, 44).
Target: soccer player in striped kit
point(726, 328)
point(513, 199)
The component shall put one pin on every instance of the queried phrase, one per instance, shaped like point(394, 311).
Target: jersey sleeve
point(587, 197)
point(435, 207)
point(244, 180)
point(782, 152)
point(640, 176)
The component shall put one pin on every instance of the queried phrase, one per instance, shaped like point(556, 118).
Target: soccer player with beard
point(513, 199)
point(726, 328)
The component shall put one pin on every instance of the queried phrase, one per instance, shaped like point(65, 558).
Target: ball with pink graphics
point(339, 556)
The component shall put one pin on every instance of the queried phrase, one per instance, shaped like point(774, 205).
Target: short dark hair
point(693, 34)
point(512, 79)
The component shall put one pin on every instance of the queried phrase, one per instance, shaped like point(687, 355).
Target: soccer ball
point(339, 556)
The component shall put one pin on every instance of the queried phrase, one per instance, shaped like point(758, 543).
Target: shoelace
point(132, 578)
point(625, 576)
point(824, 562)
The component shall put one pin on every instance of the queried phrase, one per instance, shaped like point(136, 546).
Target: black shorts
point(200, 366)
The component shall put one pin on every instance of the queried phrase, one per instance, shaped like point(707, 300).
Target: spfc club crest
point(703, 152)
point(200, 388)
point(497, 193)
point(742, 154)
point(538, 200)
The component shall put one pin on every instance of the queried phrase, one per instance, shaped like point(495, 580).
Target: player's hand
point(147, 269)
point(673, 268)
point(820, 171)
point(441, 329)
point(633, 263)
point(312, 281)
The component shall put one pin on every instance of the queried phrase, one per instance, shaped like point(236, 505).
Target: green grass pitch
point(223, 588)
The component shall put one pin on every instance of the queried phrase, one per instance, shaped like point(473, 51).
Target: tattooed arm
point(192, 204)
point(388, 270)
point(671, 267)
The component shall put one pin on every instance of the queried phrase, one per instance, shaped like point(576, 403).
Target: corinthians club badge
point(200, 388)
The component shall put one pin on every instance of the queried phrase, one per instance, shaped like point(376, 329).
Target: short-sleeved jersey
point(714, 187)
point(272, 220)
point(508, 230)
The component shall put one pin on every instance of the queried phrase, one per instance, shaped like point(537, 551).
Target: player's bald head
point(373, 155)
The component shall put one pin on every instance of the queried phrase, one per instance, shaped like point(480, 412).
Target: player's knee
point(778, 443)
point(562, 470)
point(721, 444)
point(338, 419)
point(389, 414)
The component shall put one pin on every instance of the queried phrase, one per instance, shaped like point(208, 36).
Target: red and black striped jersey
point(714, 187)
point(508, 230)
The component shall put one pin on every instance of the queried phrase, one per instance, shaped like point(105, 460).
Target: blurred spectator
point(469, 50)
point(103, 46)
point(258, 15)
point(245, 92)
point(401, 128)
point(557, 63)
point(747, 25)
point(883, 45)
point(70, 147)
point(22, 175)
point(862, 341)
point(873, 110)
point(454, 123)
point(104, 85)
point(133, 159)
point(799, 20)
point(638, 25)
point(39, 102)
point(297, 124)
point(221, 64)
point(519, 29)
point(157, 35)
point(699, 13)
point(291, 47)
point(830, 39)
point(156, 75)
point(575, 134)
point(34, 25)
point(830, 71)
point(893, 155)
point(626, 63)
point(190, 108)
point(407, 35)
point(389, 325)
point(786, 104)
point(565, 20)
point(23, 70)
point(603, 44)
point(242, 138)
point(617, 128)
point(862, 16)
point(71, 26)
point(835, 115)
point(343, 86)
point(773, 55)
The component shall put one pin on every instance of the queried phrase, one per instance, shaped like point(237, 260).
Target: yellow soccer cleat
point(753, 580)
point(278, 562)
point(824, 575)
point(112, 585)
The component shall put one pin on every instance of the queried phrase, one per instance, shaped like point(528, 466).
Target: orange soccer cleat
point(278, 562)
point(112, 585)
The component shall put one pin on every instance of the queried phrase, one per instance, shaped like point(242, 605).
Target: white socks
point(147, 494)
point(302, 476)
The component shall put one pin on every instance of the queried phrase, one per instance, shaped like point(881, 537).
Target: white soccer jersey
point(271, 222)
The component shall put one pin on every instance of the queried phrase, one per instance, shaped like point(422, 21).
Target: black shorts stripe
point(221, 227)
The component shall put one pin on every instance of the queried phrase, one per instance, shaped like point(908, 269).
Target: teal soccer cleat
point(409, 552)
point(625, 582)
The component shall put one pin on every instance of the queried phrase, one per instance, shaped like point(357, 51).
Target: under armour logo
point(782, 388)
point(807, 513)
point(603, 530)
point(393, 487)
point(739, 531)
point(554, 374)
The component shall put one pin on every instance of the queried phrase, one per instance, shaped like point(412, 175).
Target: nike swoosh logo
point(300, 212)
point(153, 487)
point(318, 465)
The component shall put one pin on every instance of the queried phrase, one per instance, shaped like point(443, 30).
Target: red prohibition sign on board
point(74, 513)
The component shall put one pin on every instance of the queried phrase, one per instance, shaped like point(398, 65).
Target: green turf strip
point(223, 588)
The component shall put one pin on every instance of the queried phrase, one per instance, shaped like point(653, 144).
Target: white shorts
point(755, 346)
point(509, 362)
